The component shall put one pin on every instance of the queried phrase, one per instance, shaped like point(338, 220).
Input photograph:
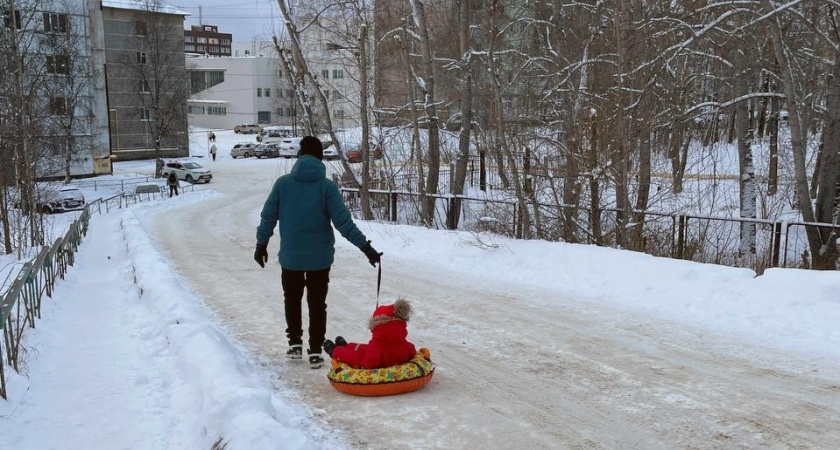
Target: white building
point(231, 90)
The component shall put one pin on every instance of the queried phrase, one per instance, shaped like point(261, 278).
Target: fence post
point(393, 196)
point(482, 171)
point(777, 242)
point(681, 238)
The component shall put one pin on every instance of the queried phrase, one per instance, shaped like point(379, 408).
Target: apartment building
point(52, 86)
point(146, 78)
point(207, 40)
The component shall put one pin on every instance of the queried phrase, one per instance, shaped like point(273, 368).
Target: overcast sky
point(246, 19)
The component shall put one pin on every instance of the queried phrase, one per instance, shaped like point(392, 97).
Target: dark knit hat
point(310, 145)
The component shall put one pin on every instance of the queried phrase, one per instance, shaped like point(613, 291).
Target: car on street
point(243, 150)
point(267, 151)
point(189, 171)
point(353, 152)
point(67, 198)
point(290, 147)
point(247, 128)
point(330, 152)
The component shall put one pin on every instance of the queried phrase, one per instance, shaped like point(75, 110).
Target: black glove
point(261, 255)
point(372, 255)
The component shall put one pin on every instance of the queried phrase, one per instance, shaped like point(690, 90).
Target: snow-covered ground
point(167, 335)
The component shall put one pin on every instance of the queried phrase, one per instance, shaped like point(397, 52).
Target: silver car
point(243, 150)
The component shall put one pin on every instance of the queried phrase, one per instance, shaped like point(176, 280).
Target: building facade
point(206, 40)
point(51, 62)
point(146, 80)
point(229, 91)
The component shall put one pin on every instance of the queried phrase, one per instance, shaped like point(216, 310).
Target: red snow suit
point(388, 345)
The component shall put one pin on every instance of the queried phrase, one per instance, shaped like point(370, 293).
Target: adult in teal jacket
point(304, 201)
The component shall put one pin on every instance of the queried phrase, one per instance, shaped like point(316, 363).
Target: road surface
point(510, 374)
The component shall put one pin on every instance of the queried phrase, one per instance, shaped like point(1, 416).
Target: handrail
point(20, 305)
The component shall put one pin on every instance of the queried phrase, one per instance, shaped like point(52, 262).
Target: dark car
point(353, 153)
point(267, 151)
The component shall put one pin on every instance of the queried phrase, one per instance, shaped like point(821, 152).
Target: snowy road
point(511, 371)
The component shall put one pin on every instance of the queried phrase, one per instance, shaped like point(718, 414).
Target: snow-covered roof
point(143, 5)
point(207, 101)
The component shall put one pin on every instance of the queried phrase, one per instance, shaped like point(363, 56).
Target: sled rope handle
point(378, 283)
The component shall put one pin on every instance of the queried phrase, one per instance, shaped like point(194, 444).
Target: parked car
point(273, 135)
point(330, 152)
point(189, 171)
point(290, 147)
point(68, 198)
point(267, 151)
point(247, 128)
point(353, 152)
point(243, 150)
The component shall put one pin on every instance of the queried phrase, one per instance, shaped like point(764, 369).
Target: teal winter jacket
point(304, 201)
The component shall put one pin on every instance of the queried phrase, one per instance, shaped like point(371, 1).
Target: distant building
point(206, 40)
point(61, 64)
point(134, 75)
point(233, 90)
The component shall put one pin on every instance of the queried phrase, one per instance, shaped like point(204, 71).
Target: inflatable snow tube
point(393, 380)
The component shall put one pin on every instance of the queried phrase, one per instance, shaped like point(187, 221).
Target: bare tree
point(159, 68)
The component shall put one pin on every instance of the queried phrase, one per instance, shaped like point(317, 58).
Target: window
point(58, 64)
point(338, 74)
point(201, 40)
point(190, 47)
point(289, 93)
point(58, 106)
point(325, 74)
point(144, 86)
point(190, 39)
point(141, 57)
point(140, 28)
point(195, 110)
point(145, 114)
point(259, 92)
point(327, 94)
point(267, 92)
point(7, 19)
point(280, 112)
point(55, 23)
point(337, 95)
point(217, 110)
point(338, 114)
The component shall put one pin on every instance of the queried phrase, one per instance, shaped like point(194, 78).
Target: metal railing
point(692, 237)
point(20, 305)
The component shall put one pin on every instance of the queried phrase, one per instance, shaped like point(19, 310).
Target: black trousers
point(316, 283)
point(173, 188)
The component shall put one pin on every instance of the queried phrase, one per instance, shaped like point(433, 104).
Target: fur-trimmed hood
point(400, 310)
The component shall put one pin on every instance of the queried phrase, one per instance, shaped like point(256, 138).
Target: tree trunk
point(428, 89)
point(829, 175)
point(773, 130)
point(364, 191)
point(464, 21)
point(745, 162)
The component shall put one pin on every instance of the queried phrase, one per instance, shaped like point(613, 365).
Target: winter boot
point(315, 361)
point(295, 352)
point(328, 347)
point(340, 342)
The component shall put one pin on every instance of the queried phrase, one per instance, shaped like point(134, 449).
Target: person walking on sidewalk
point(213, 151)
point(304, 201)
point(172, 181)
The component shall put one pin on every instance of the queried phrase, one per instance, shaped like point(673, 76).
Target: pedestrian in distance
point(304, 202)
point(213, 151)
point(211, 137)
point(172, 181)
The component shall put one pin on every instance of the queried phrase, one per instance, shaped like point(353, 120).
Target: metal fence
point(692, 237)
point(21, 304)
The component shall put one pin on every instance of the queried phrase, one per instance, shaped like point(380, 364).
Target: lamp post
point(361, 54)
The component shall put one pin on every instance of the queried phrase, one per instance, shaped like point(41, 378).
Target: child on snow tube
point(388, 345)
